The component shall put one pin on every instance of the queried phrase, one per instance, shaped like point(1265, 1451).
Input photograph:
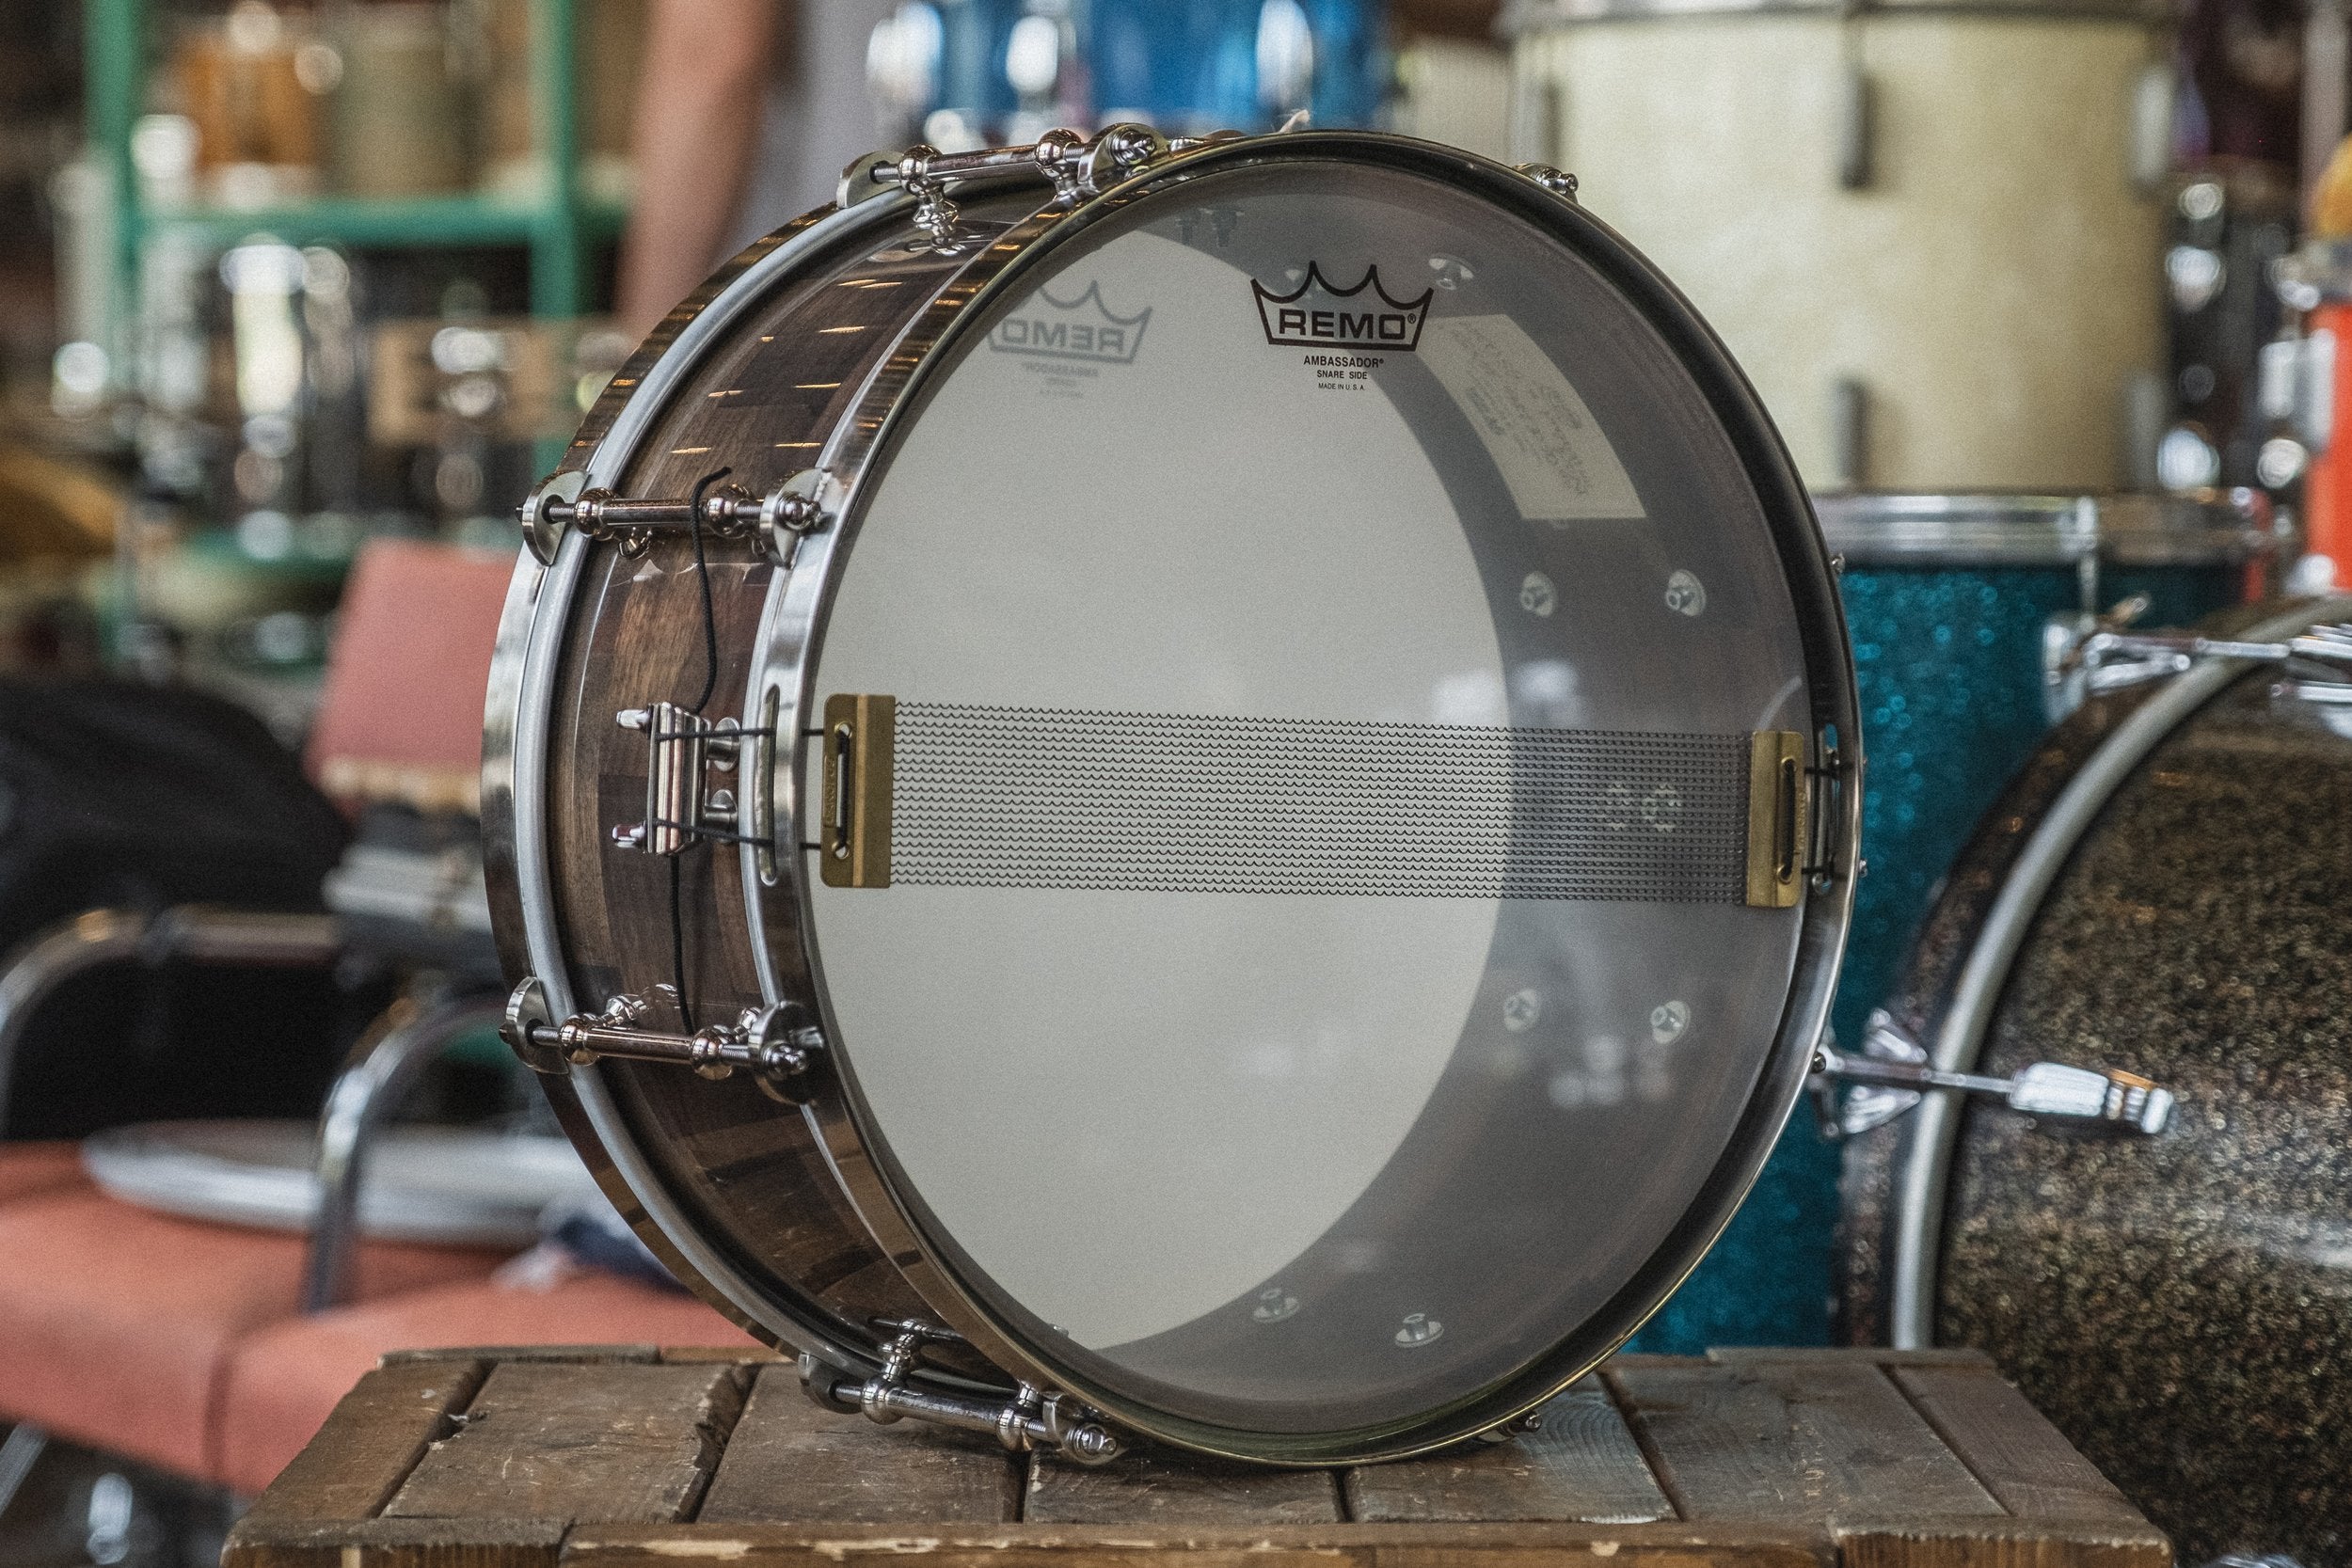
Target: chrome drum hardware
point(987, 868)
point(777, 1046)
point(1028, 1422)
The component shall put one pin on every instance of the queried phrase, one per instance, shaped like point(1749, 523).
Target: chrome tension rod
point(1896, 1067)
point(2112, 660)
point(1031, 1420)
point(777, 1045)
point(798, 506)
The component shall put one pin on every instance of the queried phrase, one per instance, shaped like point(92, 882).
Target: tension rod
point(800, 505)
point(775, 1045)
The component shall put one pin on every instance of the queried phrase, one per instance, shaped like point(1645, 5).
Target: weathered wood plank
point(1935, 1355)
point(569, 1356)
point(368, 1447)
point(747, 1355)
point(2024, 1461)
point(790, 1461)
point(620, 1443)
point(1459, 1546)
point(1791, 1441)
point(401, 1544)
point(1163, 1490)
point(1584, 1465)
point(1915, 1542)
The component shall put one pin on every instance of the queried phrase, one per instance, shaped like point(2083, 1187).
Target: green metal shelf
point(420, 221)
point(557, 229)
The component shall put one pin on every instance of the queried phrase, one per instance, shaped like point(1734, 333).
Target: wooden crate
point(633, 1457)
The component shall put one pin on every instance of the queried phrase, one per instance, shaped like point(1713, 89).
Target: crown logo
point(1316, 315)
point(1081, 328)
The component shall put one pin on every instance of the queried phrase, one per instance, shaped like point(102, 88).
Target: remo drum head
point(1197, 792)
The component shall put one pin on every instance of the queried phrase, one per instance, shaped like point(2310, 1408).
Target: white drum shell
point(1993, 288)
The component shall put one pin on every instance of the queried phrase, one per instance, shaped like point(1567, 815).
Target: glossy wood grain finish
point(763, 403)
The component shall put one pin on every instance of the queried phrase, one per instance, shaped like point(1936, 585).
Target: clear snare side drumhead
point(1312, 973)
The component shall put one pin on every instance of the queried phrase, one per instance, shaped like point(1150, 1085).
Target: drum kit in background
point(1944, 245)
point(1210, 790)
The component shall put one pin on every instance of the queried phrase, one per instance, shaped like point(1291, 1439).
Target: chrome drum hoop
point(515, 750)
point(2124, 529)
point(793, 626)
point(1929, 1140)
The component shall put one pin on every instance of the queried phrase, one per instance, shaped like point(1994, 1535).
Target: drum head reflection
point(1326, 625)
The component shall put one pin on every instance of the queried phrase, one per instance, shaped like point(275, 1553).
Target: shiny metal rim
point(2000, 529)
point(521, 702)
point(793, 623)
point(1924, 1167)
point(1533, 18)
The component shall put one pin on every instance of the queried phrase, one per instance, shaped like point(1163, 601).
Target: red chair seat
point(29, 1169)
point(116, 1324)
point(283, 1380)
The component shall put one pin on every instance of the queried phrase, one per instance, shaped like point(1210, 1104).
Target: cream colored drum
point(1930, 235)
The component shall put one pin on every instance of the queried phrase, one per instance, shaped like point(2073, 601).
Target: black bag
point(123, 795)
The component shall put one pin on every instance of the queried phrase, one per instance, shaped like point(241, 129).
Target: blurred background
point(296, 300)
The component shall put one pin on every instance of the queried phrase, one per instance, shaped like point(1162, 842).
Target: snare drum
point(1932, 234)
point(1198, 792)
point(2162, 891)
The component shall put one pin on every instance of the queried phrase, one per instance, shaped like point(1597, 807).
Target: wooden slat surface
point(1584, 1465)
point(371, 1443)
point(1926, 1542)
point(2021, 1459)
point(1460, 1545)
point(1792, 1441)
point(792, 1462)
point(624, 1457)
point(1168, 1491)
point(624, 1443)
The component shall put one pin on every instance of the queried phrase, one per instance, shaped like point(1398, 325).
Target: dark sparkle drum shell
point(2181, 1306)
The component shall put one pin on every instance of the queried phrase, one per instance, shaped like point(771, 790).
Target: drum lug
point(1032, 1422)
point(777, 1045)
point(542, 532)
point(527, 1015)
point(804, 503)
point(1893, 1075)
point(1078, 167)
point(1558, 182)
point(2063, 677)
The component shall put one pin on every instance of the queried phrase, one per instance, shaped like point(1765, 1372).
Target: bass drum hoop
point(1931, 1141)
point(792, 626)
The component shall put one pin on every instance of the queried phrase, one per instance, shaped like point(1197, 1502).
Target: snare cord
point(711, 684)
point(710, 616)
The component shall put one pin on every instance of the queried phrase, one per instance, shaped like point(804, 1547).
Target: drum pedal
point(1030, 1421)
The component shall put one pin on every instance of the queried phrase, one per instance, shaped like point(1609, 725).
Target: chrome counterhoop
point(779, 690)
point(1926, 1158)
point(516, 745)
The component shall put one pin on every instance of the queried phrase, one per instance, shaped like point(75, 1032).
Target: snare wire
point(711, 684)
